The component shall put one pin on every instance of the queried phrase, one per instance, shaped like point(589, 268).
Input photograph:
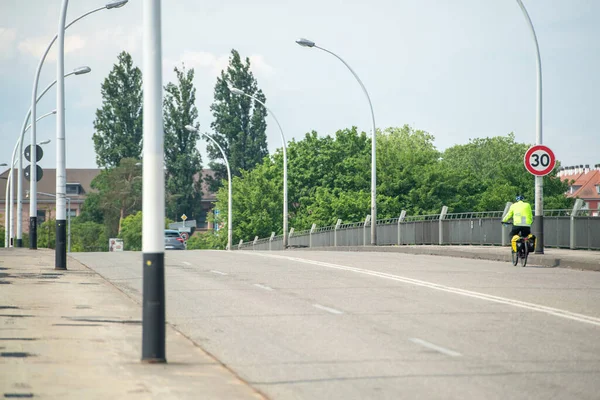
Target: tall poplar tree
point(182, 158)
point(239, 122)
point(118, 124)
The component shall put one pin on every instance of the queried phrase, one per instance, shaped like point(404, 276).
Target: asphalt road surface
point(341, 325)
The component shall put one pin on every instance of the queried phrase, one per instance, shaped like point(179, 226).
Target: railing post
point(367, 219)
point(337, 227)
point(271, 239)
point(572, 236)
point(240, 244)
point(441, 224)
point(504, 228)
point(400, 220)
point(254, 242)
point(312, 229)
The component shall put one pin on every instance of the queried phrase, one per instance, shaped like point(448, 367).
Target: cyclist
point(522, 217)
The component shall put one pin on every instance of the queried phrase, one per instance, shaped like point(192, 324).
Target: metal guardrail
point(571, 228)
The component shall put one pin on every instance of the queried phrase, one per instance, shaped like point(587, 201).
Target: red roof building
point(584, 183)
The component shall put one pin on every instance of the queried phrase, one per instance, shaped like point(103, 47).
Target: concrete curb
point(549, 261)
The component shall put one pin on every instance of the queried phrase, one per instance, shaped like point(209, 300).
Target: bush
point(207, 241)
point(131, 232)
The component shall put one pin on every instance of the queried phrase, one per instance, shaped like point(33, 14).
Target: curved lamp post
point(285, 191)
point(229, 199)
point(309, 43)
point(33, 182)
point(539, 180)
point(77, 71)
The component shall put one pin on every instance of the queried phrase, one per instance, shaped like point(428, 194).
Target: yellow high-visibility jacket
point(520, 213)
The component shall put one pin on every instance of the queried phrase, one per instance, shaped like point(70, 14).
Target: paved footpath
point(72, 335)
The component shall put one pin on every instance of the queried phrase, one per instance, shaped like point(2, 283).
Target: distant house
point(78, 187)
point(584, 183)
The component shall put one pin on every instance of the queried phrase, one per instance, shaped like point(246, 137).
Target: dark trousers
point(520, 230)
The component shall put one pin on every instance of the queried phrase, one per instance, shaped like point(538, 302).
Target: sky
point(458, 69)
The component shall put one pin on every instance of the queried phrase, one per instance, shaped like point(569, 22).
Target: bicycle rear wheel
point(514, 257)
point(524, 257)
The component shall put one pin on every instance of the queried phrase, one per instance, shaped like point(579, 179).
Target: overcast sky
point(458, 69)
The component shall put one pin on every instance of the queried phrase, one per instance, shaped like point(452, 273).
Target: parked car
point(174, 240)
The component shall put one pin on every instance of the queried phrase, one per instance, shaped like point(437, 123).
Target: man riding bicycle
point(522, 217)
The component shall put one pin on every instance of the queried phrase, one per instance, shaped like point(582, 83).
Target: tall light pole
point(310, 43)
point(153, 244)
point(77, 71)
point(33, 182)
point(60, 252)
point(538, 224)
point(6, 212)
point(285, 191)
point(229, 208)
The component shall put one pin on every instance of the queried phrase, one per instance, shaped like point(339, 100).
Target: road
point(340, 325)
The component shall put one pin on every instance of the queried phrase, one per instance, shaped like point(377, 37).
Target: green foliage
point(47, 234)
point(87, 236)
point(329, 178)
point(2, 235)
point(119, 195)
point(131, 232)
point(182, 158)
point(239, 122)
point(118, 124)
point(208, 241)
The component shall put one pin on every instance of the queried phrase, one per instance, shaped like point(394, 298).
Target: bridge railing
point(569, 228)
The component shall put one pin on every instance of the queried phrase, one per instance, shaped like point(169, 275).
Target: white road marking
point(218, 272)
point(186, 263)
point(263, 286)
point(482, 296)
point(330, 310)
point(437, 348)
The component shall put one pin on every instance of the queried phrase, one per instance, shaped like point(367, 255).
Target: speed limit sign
point(539, 160)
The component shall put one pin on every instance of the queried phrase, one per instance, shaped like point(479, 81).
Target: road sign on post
point(539, 160)
point(39, 153)
point(38, 176)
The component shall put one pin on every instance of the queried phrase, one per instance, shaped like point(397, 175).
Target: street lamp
point(285, 191)
point(309, 43)
point(33, 182)
point(539, 180)
point(19, 145)
point(229, 208)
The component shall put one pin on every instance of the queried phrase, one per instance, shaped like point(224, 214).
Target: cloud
point(36, 46)
point(216, 63)
point(7, 41)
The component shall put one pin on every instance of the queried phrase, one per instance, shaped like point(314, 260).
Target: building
point(78, 187)
point(584, 184)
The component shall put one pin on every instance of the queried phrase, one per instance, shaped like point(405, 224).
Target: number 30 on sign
point(539, 160)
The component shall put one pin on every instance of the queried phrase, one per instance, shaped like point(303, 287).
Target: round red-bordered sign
point(539, 160)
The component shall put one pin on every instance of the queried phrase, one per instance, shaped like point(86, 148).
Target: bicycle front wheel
point(514, 257)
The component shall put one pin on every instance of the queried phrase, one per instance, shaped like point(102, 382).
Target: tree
point(182, 158)
point(119, 194)
point(239, 125)
point(118, 124)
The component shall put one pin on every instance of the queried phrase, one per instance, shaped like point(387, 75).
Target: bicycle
point(522, 244)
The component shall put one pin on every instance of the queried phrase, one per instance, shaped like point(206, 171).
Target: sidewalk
point(72, 335)
point(575, 259)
